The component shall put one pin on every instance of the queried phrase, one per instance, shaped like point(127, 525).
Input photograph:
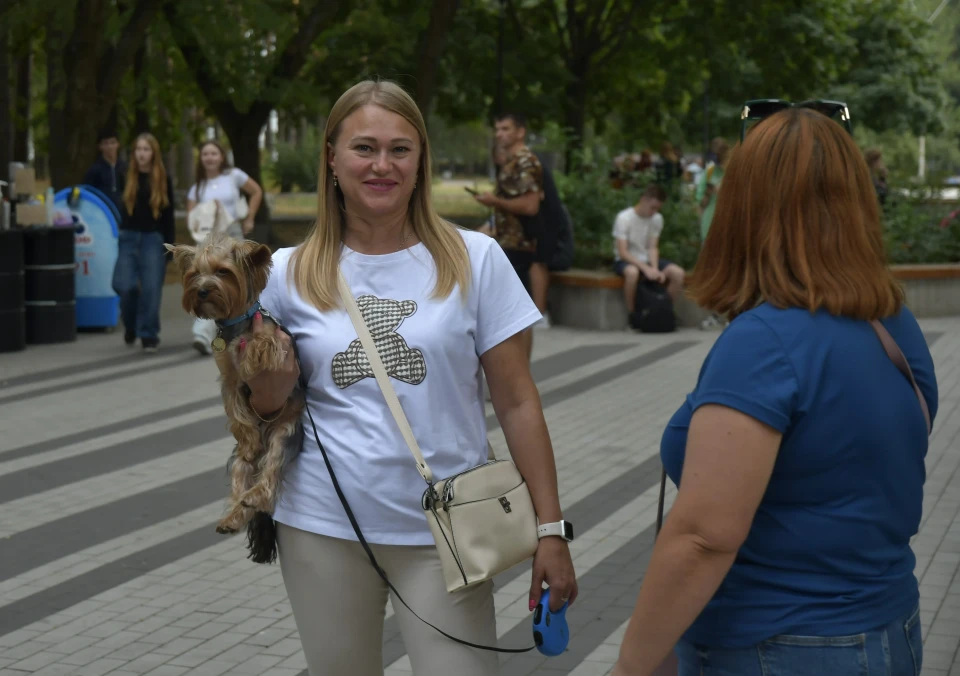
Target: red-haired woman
point(799, 455)
point(147, 225)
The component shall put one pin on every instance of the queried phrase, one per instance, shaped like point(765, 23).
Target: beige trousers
point(339, 604)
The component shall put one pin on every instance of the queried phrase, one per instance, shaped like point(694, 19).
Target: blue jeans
point(138, 280)
point(895, 650)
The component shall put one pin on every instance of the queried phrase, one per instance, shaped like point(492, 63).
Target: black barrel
point(13, 336)
point(50, 285)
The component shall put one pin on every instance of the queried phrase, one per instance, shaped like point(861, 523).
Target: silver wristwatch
point(563, 529)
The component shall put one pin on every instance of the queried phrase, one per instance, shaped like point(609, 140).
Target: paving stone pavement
point(111, 477)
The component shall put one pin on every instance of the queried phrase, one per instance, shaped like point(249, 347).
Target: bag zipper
point(448, 487)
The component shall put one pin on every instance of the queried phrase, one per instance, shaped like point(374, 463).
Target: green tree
point(89, 47)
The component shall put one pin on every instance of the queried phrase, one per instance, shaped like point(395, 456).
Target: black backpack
point(653, 312)
point(554, 215)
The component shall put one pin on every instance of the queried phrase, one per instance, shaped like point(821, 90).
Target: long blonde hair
point(316, 261)
point(158, 179)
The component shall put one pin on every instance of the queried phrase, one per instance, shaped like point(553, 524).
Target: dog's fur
point(222, 278)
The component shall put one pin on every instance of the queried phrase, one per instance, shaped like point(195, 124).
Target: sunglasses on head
point(759, 109)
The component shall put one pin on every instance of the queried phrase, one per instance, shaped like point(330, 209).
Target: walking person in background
point(147, 224)
point(108, 173)
point(517, 206)
point(218, 182)
point(799, 455)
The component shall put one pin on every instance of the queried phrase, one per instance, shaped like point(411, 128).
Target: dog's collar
point(242, 318)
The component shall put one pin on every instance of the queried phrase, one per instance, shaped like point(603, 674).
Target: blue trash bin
point(96, 224)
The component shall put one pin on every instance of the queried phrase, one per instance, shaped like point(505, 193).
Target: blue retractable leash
point(356, 526)
point(550, 630)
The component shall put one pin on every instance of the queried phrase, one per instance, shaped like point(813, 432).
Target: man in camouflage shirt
point(516, 202)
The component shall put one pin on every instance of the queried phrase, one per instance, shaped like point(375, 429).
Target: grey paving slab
point(87, 366)
point(103, 430)
point(189, 603)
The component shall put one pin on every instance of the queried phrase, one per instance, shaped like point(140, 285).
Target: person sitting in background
point(636, 234)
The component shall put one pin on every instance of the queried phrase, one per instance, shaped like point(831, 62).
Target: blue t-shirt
point(828, 552)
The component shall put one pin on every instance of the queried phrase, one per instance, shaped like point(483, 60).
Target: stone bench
point(593, 299)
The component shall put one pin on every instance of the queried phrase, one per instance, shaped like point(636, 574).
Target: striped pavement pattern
point(112, 474)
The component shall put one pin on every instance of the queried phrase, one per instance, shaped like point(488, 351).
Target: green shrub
point(296, 166)
point(912, 231)
point(911, 220)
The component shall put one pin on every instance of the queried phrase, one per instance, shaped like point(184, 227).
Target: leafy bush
point(911, 220)
point(912, 231)
point(594, 203)
point(296, 166)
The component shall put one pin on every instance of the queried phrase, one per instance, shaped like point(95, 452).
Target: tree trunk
point(141, 118)
point(6, 107)
point(243, 131)
point(84, 77)
point(430, 49)
point(56, 86)
point(21, 129)
point(575, 110)
point(185, 165)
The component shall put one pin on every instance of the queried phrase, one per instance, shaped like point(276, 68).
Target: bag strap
point(896, 356)
point(899, 360)
point(383, 380)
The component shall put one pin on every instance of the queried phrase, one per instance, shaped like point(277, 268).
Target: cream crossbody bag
point(482, 519)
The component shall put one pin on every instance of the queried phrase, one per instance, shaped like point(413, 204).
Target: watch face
point(567, 530)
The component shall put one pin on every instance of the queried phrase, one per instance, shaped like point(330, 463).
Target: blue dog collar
point(242, 318)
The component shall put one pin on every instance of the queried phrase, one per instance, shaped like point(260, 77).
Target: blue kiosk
point(96, 222)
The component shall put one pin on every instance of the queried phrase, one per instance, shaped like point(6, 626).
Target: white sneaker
point(202, 346)
point(543, 322)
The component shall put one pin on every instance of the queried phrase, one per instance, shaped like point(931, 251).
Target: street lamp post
point(499, 95)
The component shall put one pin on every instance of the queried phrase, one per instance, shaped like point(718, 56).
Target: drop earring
point(336, 184)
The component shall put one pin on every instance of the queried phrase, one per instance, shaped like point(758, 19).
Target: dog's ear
point(183, 255)
point(254, 255)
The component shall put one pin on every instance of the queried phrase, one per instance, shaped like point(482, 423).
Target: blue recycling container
point(96, 222)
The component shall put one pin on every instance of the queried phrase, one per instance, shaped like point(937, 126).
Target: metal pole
point(499, 100)
point(706, 119)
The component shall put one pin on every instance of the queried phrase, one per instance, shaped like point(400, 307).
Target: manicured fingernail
point(533, 604)
point(243, 343)
point(258, 316)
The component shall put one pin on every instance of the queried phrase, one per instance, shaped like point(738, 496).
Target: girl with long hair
point(147, 224)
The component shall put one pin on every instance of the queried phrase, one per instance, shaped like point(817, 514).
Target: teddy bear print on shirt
point(382, 317)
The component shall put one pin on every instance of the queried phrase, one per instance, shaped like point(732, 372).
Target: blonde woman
point(455, 305)
point(146, 225)
point(219, 182)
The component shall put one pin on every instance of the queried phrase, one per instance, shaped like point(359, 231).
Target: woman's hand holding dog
point(269, 390)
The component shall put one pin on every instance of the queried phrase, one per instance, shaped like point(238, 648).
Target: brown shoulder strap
point(896, 356)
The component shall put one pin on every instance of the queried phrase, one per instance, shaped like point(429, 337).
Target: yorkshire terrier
point(222, 280)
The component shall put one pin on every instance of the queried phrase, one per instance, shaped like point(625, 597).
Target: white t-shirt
point(432, 350)
point(637, 230)
point(225, 187)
